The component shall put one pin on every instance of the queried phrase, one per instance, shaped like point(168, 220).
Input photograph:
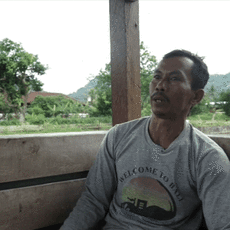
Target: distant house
point(33, 95)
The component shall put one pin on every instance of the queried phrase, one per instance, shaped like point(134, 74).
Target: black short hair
point(199, 71)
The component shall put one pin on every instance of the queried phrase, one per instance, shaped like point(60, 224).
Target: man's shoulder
point(123, 130)
point(133, 124)
point(135, 121)
point(203, 140)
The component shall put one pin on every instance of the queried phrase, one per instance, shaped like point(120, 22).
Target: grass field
point(92, 124)
point(49, 128)
point(210, 120)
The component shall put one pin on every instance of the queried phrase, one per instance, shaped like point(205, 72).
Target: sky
point(73, 37)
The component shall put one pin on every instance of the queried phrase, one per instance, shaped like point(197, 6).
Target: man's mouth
point(159, 97)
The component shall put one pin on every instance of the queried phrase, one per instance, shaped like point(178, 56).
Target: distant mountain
point(82, 93)
point(220, 82)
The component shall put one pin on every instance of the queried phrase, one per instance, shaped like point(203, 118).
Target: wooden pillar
point(125, 60)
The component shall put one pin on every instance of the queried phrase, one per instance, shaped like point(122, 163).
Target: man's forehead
point(175, 63)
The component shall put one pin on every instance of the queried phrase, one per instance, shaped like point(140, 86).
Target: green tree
point(225, 97)
point(213, 95)
point(92, 95)
point(4, 108)
point(202, 107)
point(17, 75)
point(101, 95)
point(148, 64)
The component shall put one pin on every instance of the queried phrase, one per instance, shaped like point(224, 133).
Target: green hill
point(82, 93)
point(220, 82)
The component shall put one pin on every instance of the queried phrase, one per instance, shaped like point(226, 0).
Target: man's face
point(170, 90)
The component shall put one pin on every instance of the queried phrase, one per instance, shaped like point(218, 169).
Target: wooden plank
point(33, 156)
point(125, 60)
point(38, 206)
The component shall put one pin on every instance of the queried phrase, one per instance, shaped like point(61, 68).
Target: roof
point(33, 95)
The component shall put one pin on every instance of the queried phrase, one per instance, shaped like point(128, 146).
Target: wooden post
point(125, 60)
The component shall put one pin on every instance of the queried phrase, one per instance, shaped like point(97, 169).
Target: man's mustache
point(160, 94)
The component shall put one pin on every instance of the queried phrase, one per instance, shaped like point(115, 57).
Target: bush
point(225, 96)
point(36, 120)
point(58, 120)
point(76, 120)
point(105, 119)
point(92, 111)
point(202, 107)
point(226, 108)
point(35, 110)
point(53, 106)
point(13, 121)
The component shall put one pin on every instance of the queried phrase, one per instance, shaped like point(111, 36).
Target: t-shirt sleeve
point(100, 185)
point(213, 187)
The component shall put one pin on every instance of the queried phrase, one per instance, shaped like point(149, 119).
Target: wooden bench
point(43, 175)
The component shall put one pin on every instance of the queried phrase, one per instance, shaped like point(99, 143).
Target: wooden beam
point(125, 60)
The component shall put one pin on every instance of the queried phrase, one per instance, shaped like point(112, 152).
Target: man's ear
point(198, 96)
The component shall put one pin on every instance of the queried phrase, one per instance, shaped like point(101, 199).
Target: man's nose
point(161, 85)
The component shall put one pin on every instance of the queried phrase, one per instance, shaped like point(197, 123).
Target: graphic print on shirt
point(148, 197)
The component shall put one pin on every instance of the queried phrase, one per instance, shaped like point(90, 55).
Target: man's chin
point(160, 115)
point(165, 116)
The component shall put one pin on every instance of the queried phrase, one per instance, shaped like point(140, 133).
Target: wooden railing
point(43, 175)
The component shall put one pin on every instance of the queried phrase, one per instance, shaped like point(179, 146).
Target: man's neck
point(164, 131)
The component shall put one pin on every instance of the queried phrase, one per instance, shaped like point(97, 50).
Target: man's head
point(177, 84)
point(199, 71)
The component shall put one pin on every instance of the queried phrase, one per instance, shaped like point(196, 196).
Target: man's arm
point(101, 184)
point(213, 186)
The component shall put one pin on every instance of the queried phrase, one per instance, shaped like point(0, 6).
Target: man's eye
point(174, 78)
point(156, 76)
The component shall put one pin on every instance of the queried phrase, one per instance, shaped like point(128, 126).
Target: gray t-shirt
point(136, 184)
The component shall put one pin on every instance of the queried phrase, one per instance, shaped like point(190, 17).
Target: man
point(159, 172)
